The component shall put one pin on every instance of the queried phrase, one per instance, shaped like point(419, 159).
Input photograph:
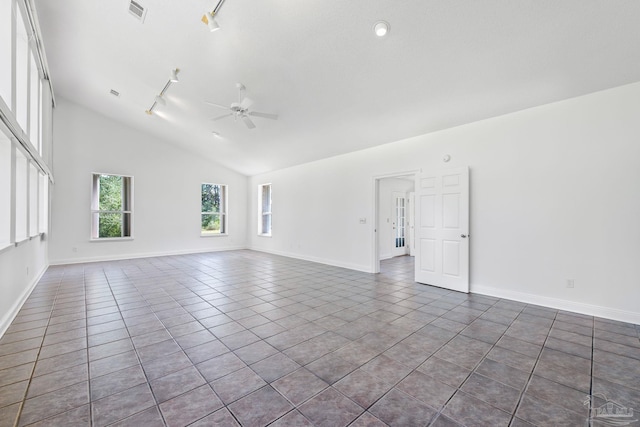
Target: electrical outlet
point(570, 283)
point(27, 271)
point(74, 249)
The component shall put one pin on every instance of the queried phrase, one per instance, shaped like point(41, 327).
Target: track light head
point(174, 75)
point(210, 21)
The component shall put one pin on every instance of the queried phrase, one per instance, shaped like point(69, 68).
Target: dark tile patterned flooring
point(246, 338)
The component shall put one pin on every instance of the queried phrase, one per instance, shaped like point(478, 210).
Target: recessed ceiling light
point(215, 133)
point(381, 28)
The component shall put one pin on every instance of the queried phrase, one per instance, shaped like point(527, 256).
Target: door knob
point(464, 236)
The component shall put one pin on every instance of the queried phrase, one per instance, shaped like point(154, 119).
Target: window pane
point(40, 112)
point(22, 193)
point(266, 198)
point(22, 77)
point(43, 221)
point(5, 190)
point(5, 51)
point(110, 193)
point(266, 224)
point(33, 200)
point(211, 224)
point(34, 104)
point(109, 224)
point(210, 198)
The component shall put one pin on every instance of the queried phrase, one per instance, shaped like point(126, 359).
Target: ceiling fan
point(240, 109)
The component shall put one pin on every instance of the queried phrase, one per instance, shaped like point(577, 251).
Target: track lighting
point(209, 20)
point(211, 23)
point(160, 98)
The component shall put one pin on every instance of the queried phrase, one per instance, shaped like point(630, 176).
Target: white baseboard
point(560, 304)
point(334, 263)
point(141, 255)
point(8, 317)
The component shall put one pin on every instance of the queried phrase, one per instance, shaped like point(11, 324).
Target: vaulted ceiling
point(318, 64)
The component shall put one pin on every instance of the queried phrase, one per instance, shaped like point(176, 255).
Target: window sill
point(6, 248)
point(264, 235)
point(111, 239)
point(215, 235)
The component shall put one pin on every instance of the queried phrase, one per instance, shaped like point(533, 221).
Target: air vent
point(137, 10)
point(114, 92)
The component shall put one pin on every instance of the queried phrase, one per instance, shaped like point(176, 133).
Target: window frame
point(223, 211)
point(262, 213)
point(127, 214)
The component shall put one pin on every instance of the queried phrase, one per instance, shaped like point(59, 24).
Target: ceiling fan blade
point(247, 121)
point(217, 105)
point(246, 103)
point(264, 115)
point(221, 117)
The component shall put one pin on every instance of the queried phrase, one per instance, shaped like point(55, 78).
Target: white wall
point(166, 190)
point(20, 269)
point(387, 212)
point(555, 195)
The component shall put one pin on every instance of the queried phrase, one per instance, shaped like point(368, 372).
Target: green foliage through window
point(111, 206)
point(213, 213)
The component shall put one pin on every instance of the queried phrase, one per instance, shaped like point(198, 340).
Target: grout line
point(35, 363)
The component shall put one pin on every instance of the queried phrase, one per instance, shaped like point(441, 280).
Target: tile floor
point(246, 338)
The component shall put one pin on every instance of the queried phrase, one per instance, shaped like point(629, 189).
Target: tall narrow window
point(34, 101)
point(22, 196)
point(33, 200)
point(5, 190)
point(111, 206)
point(400, 221)
point(6, 64)
point(22, 71)
point(264, 220)
point(213, 215)
point(43, 213)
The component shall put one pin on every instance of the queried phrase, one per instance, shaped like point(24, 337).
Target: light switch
point(363, 220)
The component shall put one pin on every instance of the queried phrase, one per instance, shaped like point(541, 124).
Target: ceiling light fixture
point(209, 20)
point(160, 98)
point(381, 28)
point(174, 75)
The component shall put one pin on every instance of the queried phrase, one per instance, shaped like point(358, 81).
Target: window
point(22, 71)
point(22, 196)
point(111, 206)
point(43, 213)
point(5, 190)
point(264, 220)
point(34, 103)
point(6, 64)
point(33, 200)
point(213, 221)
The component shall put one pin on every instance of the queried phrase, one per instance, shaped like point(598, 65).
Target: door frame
point(375, 255)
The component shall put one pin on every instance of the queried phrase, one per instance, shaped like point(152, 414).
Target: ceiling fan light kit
point(173, 78)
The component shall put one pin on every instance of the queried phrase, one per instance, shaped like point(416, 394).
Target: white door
point(398, 224)
point(442, 229)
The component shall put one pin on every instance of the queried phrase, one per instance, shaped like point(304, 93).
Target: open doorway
point(394, 213)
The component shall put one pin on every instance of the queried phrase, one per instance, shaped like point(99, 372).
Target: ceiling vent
point(114, 92)
point(137, 10)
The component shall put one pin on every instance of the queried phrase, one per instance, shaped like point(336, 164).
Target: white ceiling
point(336, 86)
